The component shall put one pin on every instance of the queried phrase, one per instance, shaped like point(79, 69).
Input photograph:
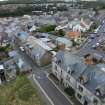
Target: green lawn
point(19, 92)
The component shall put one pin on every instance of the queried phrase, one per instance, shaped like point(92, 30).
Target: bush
point(19, 92)
point(70, 91)
point(61, 33)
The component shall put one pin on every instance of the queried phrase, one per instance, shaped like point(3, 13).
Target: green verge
point(19, 92)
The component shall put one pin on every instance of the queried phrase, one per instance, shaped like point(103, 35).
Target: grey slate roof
point(96, 77)
point(74, 62)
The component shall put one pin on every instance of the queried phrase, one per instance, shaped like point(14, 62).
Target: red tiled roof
point(73, 35)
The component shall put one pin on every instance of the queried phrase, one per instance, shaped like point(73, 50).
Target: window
point(79, 96)
point(55, 67)
point(68, 70)
point(80, 88)
point(34, 57)
point(68, 78)
point(95, 101)
point(61, 72)
point(83, 79)
point(56, 74)
point(67, 85)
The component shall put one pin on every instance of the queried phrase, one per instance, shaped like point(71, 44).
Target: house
point(48, 42)
point(24, 21)
point(85, 76)
point(73, 35)
point(81, 25)
point(23, 66)
point(10, 69)
point(21, 38)
point(33, 28)
point(38, 51)
point(60, 27)
point(65, 41)
point(67, 68)
point(86, 22)
point(74, 23)
point(12, 53)
point(45, 20)
point(91, 85)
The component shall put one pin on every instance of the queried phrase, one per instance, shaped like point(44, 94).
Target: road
point(40, 75)
point(87, 48)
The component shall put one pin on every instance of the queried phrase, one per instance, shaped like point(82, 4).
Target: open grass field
point(19, 92)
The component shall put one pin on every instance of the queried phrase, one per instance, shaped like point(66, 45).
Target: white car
point(97, 44)
point(22, 49)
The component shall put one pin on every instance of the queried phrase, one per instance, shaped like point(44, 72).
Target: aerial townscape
point(52, 52)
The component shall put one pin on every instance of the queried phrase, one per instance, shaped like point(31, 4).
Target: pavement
point(56, 97)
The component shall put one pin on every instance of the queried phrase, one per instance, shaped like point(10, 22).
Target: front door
point(85, 103)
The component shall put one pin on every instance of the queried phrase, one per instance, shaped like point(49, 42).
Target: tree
point(47, 28)
point(61, 33)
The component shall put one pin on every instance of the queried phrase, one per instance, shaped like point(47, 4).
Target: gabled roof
point(73, 35)
point(12, 53)
point(64, 40)
point(23, 35)
point(34, 41)
point(75, 22)
point(73, 62)
point(96, 77)
point(21, 63)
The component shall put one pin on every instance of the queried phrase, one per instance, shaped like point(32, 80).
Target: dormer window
point(79, 96)
point(98, 93)
point(18, 34)
point(83, 79)
point(80, 88)
point(30, 46)
point(56, 67)
point(68, 78)
point(27, 44)
point(69, 70)
point(59, 62)
point(95, 101)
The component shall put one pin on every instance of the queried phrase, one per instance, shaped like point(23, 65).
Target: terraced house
point(85, 75)
point(38, 51)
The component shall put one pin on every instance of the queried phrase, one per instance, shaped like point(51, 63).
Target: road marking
point(60, 90)
point(42, 90)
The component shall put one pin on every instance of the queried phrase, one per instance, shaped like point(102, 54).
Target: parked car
point(22, 49)
point(94, 46)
